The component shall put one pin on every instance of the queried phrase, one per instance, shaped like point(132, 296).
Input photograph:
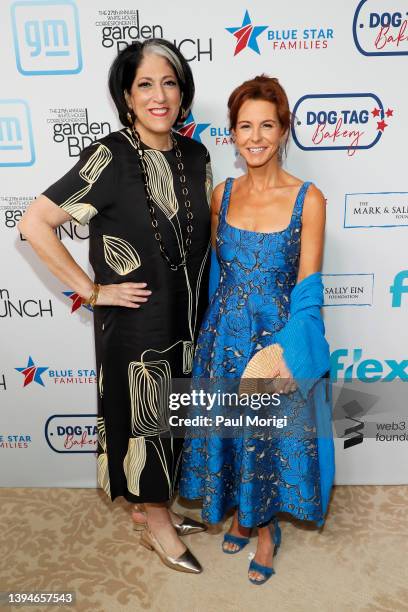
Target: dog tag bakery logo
point(72, 433)
point(348, 289)
point(46, 37)
point(339, 122)
point(16, 136)
point(121, 27)
point(380, 27)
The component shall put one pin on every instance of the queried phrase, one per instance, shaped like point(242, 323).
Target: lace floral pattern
point(260, 473)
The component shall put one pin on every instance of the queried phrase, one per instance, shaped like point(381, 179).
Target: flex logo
point(46, 37)
point(366, 370)
point(399, 287)
point(16, 137)
point(339, 122)
point(380, 27)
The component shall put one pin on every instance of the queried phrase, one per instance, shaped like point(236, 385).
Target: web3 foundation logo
point(46, 37)
point(339, 122)
point(16, 135)
point(380, 27)
point(399, 288)
point(366, 370)
point(72, 433)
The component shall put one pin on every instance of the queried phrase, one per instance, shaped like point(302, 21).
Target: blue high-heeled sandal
point(241, 542)
point(267, 572)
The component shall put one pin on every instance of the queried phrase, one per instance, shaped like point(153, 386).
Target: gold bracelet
point(91, 301)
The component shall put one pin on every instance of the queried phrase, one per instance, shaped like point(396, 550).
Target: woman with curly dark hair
point(144, 191)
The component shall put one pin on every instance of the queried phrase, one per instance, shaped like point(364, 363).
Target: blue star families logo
point(191, 129)
point(246, 35)
point(16, 136)
point(32, 373)
point(46, 37)
point(77, 301)
point(380, 27)
point(399, 287)
point(288, 39)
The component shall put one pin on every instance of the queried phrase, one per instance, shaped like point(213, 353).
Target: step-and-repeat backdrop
point(344, 70)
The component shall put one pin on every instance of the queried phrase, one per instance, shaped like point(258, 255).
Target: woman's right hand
point(130, 295)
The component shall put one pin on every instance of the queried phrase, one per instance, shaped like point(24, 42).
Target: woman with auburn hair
point(267, 236)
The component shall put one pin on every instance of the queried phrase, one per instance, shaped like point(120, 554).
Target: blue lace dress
point(259, 474)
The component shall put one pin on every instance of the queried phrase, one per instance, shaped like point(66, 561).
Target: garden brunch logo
point(380, 27)
point(339, 122)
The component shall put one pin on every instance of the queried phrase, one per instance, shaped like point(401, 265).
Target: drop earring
point(130, 116)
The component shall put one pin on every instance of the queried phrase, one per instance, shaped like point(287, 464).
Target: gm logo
point(398, 288)
point(380, 27)
point(16, 137)
point(46, 37)
point(335, 122)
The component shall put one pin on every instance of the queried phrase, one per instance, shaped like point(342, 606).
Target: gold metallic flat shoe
point(184, 563)
point(184, 526)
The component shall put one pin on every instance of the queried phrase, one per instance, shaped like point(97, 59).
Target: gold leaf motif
point(90, 173)
point(149, 384)
point(120, 255)
point(134, 462)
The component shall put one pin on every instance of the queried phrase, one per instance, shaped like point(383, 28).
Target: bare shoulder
point(217, 198)
point(315, 203)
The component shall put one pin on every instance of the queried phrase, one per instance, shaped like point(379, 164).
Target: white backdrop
point(344, 74)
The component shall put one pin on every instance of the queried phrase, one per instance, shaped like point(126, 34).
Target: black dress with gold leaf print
point(139, 350)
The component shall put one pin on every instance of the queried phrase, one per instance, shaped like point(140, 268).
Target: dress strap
point(226, 198)
point(298, 208)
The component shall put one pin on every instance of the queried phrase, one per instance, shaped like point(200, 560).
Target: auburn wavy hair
point(266, 88)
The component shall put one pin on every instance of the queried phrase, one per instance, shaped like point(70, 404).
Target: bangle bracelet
point(91, 301)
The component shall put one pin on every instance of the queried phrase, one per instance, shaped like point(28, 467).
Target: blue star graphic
point(246, 35)
point(32, 373)
point(192, 129)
